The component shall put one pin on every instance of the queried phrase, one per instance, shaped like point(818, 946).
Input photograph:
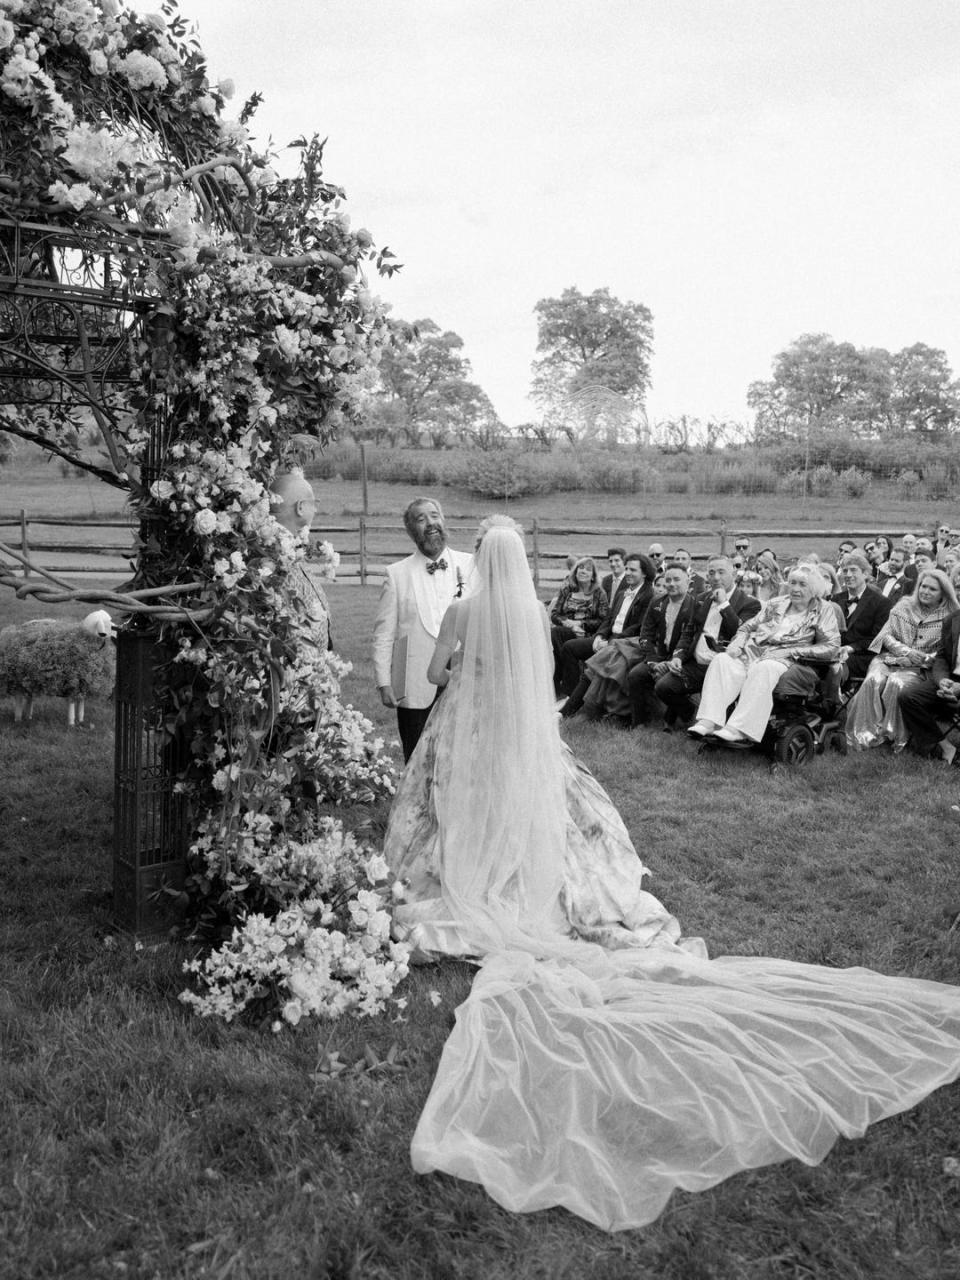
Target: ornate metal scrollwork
point(71, 300)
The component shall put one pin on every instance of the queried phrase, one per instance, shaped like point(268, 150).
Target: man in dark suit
point(714, 620)
point(612, 580)
point(931, 707)
point(865, 610)
point(894, 580)
point(660, 634)
point(697, 583)
point(624, 620)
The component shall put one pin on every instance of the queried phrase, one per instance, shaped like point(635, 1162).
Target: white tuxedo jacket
point(412, 604)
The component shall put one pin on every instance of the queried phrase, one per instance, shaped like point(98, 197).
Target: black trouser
point(927, 716)
point(410, 723)
point(675, 691)
point(640, 684)
point(572, 654)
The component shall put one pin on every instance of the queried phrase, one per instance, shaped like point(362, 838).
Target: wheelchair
point(800, 728)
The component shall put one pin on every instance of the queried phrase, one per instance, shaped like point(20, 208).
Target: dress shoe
point(731, 735)
point(702, 729)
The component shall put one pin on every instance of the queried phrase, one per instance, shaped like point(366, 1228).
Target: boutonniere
point(459, 591)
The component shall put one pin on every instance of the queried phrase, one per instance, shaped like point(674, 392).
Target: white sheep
point(59, 658)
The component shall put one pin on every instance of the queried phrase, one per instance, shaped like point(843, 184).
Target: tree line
point(592, 374)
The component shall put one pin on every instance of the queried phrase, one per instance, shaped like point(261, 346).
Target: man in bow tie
point(416, 594)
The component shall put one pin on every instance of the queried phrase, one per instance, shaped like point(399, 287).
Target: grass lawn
point(140, 1141)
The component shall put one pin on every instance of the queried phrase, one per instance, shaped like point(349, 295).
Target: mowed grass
point(141, 1141)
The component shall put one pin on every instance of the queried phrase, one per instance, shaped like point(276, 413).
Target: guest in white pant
point(788, 629)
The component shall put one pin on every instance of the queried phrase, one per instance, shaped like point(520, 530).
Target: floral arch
point(162, 286)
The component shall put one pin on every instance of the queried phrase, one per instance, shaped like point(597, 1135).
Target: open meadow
point(697, 521)
point(141, 1141)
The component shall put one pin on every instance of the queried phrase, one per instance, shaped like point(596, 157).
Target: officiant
point(415, 595)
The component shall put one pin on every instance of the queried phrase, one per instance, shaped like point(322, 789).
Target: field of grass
point(140, 1141)
point(693, 521)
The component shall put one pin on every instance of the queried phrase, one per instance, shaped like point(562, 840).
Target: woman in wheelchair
point(770, 652)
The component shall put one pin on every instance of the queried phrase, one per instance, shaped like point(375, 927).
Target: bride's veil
point(602, 1080)
point(502, 808)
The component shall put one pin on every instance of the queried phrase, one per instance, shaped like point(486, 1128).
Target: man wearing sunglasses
point(874, 556)
point(942, 544)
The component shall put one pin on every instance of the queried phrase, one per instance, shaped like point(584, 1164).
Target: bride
point(600, 1061)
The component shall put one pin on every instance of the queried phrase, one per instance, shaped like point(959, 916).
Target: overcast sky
point(749, 169)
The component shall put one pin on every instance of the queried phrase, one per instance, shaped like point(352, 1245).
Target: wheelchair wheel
point(795, 744)
point(835, 740)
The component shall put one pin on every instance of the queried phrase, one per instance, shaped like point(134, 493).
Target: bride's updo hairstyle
point(496, 522)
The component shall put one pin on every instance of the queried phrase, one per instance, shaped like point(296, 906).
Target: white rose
point(377, 869)
point(205, 522)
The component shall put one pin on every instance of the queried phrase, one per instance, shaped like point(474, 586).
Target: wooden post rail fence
point(378, 544)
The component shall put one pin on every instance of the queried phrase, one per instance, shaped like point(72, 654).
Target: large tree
point(426, 389)
point(593, 366)
point(822, 385)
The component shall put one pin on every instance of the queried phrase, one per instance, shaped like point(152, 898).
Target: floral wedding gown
point(601, 898)
point(600, 1061)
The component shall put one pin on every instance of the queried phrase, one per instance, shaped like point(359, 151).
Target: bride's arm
point(438, 671)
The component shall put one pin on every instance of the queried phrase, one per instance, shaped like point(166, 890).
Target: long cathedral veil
point(502, 810)
point(603, 1080)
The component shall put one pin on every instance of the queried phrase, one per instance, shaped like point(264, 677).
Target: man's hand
point(675, 665)
point(949, 690)
point(387, 698)
point(598, 643)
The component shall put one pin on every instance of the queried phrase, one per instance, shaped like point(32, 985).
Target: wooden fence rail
point(374, 544)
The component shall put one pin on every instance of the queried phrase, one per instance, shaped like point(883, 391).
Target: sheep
point(57, 657)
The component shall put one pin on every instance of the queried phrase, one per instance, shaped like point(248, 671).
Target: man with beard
point(415, 595)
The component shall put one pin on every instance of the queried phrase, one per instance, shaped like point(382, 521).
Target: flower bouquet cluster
point(323, 554)
point(327, 953)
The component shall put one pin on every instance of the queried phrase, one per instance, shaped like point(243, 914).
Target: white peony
point(205, 522)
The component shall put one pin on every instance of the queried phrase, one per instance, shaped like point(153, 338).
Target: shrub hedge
point(918, 468)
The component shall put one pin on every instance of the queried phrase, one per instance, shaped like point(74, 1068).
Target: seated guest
point(765, 655)
point(764, 580)
point(892, 579)
point(844, 549)
point(923, 559)
point(909, 544)
point(931, 706)
point(865, 609)
point(714, 619)
point(950, 561)
point(904, 647)
point(831, 576)
point(884, 547)
point(696, 582)
point(655, 552)
point(579, 610)
point(613, 579)
point(623, 621)
point(941, 543)
point(875, 556)
point(742, 548)
point(659, 636)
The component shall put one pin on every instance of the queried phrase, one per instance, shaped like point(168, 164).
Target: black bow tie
point(434, 565)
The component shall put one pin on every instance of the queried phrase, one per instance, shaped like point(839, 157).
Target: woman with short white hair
point(799, 626)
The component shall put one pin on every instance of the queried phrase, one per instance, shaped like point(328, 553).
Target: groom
point(415, 595)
